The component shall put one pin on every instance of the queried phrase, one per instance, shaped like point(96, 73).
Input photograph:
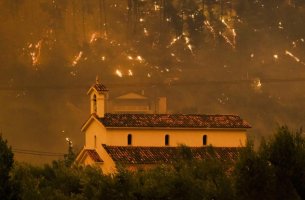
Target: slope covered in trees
point(242, 57)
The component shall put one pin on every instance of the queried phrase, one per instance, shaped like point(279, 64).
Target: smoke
point(209, 57)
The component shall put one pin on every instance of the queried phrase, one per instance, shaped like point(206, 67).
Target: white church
point(135, 137)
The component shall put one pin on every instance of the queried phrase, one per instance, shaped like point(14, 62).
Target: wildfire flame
point(130, 73)
point(293, 56)
point(35, 52)
point(77, 58)
point(118, 73)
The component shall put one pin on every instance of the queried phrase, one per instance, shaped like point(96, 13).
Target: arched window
point(95, 141)
point(204, 140)
point(166, 140)
point(129, 139)
point(94, 104)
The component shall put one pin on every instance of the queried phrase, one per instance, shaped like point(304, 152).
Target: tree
point(186, 178)
point(50, 182)
point(70, 156)
point(253, 175)
point(286, 153)
point(6, 164)
point(276, 171)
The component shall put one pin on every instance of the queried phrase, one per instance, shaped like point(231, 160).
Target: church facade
point(143, 140)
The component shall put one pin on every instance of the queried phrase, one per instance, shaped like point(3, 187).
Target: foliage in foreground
point(186, 179)
point(6, 164)
point(275, 171)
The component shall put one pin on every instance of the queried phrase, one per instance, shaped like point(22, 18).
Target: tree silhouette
point(6, 164)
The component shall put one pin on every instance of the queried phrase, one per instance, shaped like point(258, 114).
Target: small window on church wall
point(95, 141)
point(204, 140)
point(166, 140)
point(129, 139)
point(94, 104)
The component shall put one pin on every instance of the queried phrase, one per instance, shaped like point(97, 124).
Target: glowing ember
point(189, 46)
point(130, 72)
point(77, 58)
point(145, 31)
point(293, 56)
point(69, 141)
point(256, 84)
point(156, 6)
point(187, 39)
point(119, 73)
point(130, 57)
point(280, 25)
point(227, 40)
point(174, 40)
point(94, 37)
point(187, 42)
point(259, 84)
point(139, 58)
point(72, 73)
point(224, 22)
point(294, 44)
point(232, 34)
point(35, 51)
point(210, 28)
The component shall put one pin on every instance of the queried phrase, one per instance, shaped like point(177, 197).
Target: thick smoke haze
point(241, 57)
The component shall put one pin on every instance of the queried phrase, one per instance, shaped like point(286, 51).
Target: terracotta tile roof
point(159, 155)
point(100, 87)
point(174, 121)
point(94, 155)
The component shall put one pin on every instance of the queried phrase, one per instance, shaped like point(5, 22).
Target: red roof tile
point(100, 87)
point(159, 155)
point(94, 155)
point(174, 121)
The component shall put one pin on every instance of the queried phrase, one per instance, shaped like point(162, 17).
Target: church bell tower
point(98, 94)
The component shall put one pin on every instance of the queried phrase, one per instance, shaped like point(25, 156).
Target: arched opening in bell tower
point(94, 104)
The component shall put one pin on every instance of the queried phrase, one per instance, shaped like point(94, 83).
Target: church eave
point(176, 128)
point(89, 121)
